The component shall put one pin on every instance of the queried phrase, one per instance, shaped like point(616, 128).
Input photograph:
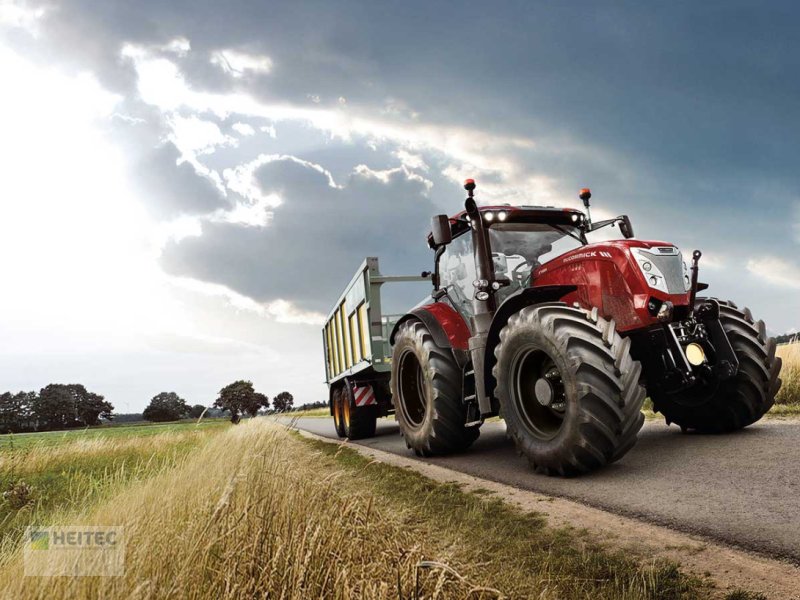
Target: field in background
point(253, 510)
point(111, 431)
point(45, 476)
point(790, 374)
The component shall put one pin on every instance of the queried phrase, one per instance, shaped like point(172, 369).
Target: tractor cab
point(486, 254)
point(520, 240)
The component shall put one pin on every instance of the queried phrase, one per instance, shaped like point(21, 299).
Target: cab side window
point(457, 272)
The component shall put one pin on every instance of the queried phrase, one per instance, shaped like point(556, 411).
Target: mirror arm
point(435, 275)
point(601, 224)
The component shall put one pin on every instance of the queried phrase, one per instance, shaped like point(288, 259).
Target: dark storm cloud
point(316, 238)
point(171, 189)
point(682, 114)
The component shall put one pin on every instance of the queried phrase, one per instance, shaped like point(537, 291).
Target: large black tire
point(426, 392)
point(338, 417)
point(568, 388)
point(736, 402)
point(359, 421)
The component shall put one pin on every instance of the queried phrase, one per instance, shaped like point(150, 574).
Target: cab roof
point(520, 214)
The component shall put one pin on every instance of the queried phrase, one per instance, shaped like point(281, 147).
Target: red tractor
point(562, 338)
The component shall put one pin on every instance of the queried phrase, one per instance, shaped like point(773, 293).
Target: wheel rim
point(346, 411)
point(411, 389)
point(538, 393)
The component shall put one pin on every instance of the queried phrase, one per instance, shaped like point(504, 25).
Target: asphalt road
point(741, 488)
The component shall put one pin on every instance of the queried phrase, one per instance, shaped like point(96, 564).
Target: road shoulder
point(729, 567)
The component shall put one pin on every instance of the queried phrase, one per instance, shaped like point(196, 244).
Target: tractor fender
point(448, 328)
point(512, 305)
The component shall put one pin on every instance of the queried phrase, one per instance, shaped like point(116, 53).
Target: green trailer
point(358, 354)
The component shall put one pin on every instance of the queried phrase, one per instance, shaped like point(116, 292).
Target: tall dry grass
point(790, 374)
point(242, 519)
point(257, 513)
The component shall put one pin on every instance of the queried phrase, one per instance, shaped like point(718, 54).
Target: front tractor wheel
point(568, 389)
point(721, 406)
point(426, 391)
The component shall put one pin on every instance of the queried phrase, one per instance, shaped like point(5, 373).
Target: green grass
point(47, 474)
point(12, 441)
point(312, 412)
point(509, 549)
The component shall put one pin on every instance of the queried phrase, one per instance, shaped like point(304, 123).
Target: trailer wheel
point(426, 392)
point(338, 418)
point(568, 388)
point(736, 402)
point(359, 422)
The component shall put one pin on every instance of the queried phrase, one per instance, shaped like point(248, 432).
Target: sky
point(187, 186)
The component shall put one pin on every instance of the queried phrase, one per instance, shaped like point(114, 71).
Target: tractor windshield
point(519, 248)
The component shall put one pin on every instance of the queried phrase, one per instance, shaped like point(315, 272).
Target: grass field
point(46, 476)
point(57, 438)
point(255, 511)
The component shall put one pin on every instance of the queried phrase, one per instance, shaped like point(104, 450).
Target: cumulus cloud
point(775, 270)
point(238, 64)
point(171, 187)
point(316, 238)
point(243, 129)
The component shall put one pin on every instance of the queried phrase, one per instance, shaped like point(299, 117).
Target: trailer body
point(355, 338)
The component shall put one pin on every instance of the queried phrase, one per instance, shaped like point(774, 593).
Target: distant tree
point(283, 402)
point(91, 407)
point(166, 406)
point(257, 402)
point(196, 411)
point(16, 411)
point(239, 398)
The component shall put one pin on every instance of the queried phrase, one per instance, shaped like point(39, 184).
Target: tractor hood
point(623, 277)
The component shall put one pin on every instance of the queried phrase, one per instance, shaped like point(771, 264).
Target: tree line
point(65, 406)
point(56, 406)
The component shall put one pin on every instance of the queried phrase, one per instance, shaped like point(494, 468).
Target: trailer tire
point(736, 402)
point(359, 421)
point(426, 392)
point(336, 409)
point(568, 388)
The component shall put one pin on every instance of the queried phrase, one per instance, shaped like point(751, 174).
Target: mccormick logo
point(591, 254)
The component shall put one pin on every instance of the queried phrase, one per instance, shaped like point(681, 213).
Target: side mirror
point(625, 227)
point(440, 230)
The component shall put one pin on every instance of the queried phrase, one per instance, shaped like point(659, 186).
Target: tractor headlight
point(652, 274)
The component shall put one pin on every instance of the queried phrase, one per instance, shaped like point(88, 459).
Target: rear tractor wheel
point(741, 400)
point(568, 389)
point(426, 391)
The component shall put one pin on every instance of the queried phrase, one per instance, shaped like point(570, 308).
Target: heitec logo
point(40, 540)
point(74, 550)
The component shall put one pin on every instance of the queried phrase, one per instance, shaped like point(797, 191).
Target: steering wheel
point(517, 276)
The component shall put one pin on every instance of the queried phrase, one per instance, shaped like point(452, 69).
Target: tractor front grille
point(672, 269)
